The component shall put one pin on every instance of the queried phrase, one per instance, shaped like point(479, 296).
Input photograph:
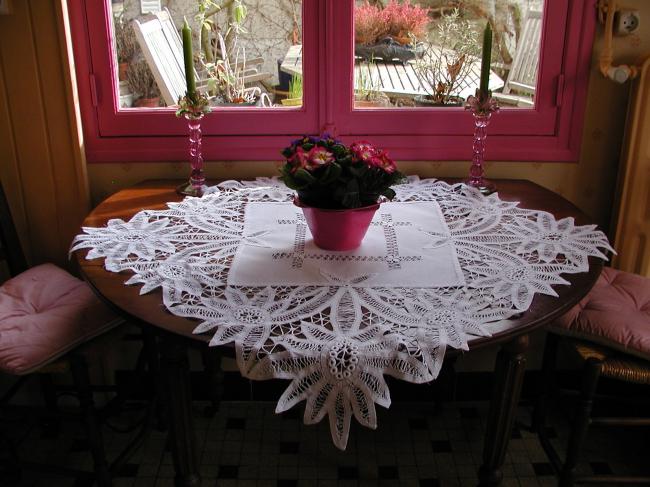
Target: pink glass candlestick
point(196, 184)
point(482, 108)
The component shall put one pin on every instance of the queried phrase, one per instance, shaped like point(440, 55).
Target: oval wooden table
point(176, 332)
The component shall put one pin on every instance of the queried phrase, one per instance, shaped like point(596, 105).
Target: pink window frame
point(551, 131)
point(113, 134)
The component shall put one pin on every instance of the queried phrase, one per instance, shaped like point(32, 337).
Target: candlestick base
point(482, 107)
point(486, 186)
point(190, 190)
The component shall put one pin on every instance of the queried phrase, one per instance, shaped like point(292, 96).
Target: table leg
point(509, 375)
point(175, 370)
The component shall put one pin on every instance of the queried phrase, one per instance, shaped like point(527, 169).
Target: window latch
point(94, 98)
point(559, 90)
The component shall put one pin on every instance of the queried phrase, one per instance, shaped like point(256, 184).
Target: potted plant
point(223, 56)
point(447, 61)
point(226, 77)
point(295, 92)
point(338, 187)
point(125, 45)
point(143, 83)
point(390, 33)
point(366, 92)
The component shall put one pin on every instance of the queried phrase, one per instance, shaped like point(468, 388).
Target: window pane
point(427, 53)
point(247, 53)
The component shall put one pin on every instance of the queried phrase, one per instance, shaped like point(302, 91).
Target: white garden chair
point(521, 82)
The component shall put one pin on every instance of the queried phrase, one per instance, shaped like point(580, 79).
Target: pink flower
point(363, 151)
point(383, 161)
point(318, 157)
point(299, 159)
point(373, 157)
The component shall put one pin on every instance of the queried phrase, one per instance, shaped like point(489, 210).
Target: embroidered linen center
point(396, 251)
point(336, 341)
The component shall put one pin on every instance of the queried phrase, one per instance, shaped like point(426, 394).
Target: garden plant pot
point(122, 70)
point(291, 102)
point(148, 102)
point(388, 50)
point(427, 101)
point(338, 229)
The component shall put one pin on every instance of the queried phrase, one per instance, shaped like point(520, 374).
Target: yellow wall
point(41, 160)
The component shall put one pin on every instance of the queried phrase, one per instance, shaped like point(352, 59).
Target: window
point(321, 58)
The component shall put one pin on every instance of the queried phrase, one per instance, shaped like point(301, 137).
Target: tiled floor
point(248, 445)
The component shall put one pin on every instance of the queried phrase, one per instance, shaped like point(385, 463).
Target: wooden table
point(176, 332)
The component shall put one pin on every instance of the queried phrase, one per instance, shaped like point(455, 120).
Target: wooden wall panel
point(45, 159)
point(632, 240)
point(53, 64)
point(9, 173)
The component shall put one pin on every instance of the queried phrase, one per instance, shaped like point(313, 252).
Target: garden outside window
point(395, 72)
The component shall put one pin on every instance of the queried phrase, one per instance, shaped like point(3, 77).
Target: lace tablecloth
point(337, 333)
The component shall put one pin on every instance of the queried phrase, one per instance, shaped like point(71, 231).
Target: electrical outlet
point(626, 22)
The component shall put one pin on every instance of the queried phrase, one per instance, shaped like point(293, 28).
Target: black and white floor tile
point(247, 445)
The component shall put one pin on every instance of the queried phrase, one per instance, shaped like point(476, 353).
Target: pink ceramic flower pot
point(338, 229)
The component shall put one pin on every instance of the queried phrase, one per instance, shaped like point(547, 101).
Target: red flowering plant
point(369, 24)
point(401, 21)
point(405, 20)
point(327, 174)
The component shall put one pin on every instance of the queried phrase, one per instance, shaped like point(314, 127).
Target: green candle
point(189, 61)
point(485, 62)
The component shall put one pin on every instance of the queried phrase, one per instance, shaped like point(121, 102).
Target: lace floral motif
point(336, 342)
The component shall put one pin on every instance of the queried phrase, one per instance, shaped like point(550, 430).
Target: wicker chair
point(609, 332)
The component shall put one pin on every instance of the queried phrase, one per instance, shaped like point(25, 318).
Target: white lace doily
point(337, 341)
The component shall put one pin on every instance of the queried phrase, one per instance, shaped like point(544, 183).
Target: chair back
point(10, 249)
point(522, 77)
point(163, 50)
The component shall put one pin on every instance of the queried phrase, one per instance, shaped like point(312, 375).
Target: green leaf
point(304, 176)
point(292, 183)
point(339, 150)
point(240, 12)
point(331, 174)
point(351, 195)
point(388, 193)
point(358, 171)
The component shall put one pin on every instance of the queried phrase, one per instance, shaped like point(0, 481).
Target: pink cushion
point(45, 312)
point(615, 313)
